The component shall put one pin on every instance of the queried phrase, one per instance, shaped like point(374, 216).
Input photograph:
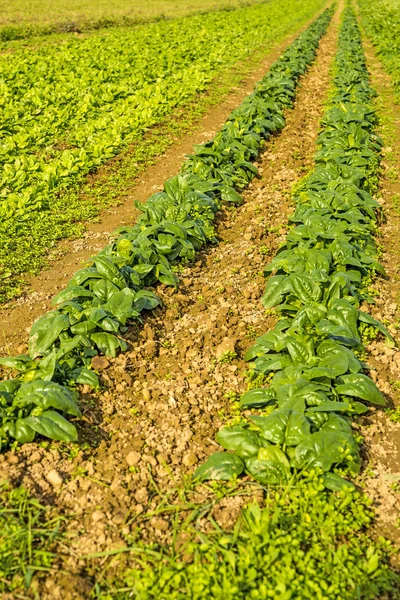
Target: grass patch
point(27, 537)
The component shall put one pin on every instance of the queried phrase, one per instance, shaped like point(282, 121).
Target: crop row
point(21, 21)
point(100, 300)
point(68, 108)
point(381, 20)
point(313, 358)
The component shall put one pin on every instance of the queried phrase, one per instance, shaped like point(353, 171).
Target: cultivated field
point(70, 106)
point(20, 19)
point(199, 394)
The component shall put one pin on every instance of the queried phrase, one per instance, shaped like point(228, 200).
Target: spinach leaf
point(243, 442)
point(52, 425)
point(284, 426)
point(220, 466)
point(45, 331)
point(270, 466)
point(360, 386)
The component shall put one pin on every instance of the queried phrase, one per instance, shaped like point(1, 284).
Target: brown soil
point(382, 436)
point(164, 399)
point(17, 316)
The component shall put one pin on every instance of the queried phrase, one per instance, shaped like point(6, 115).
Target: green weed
point(301, 543)
point(27, 536)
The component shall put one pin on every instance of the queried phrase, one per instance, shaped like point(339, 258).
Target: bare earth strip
point(167, 396)
point(17, 316)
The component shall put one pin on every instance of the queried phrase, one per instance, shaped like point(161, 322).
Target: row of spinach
point(313, 356)
point(94, 309)
point(68, 107)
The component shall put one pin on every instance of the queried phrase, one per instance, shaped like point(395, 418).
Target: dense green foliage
point(69, 107)
point(317, 287)
point(100, 299)
point(20, 20)
point(27, 534)
point(381, 21)
point(305, 543)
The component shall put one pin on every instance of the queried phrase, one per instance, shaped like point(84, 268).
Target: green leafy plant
point(92, 312)
point(317, 284)
point(70, 107)
point(227, 357)
point(382, 23)
point(302, 542)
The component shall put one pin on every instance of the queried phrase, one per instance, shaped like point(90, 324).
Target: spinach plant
point(318, 383)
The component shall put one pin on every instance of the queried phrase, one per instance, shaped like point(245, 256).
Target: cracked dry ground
point(167, 396)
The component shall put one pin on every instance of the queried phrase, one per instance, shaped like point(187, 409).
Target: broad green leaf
point(108, 270)
point(335, 483)
point(312, 373)
point(273, 340)
point(229, 194)
point(283, 426)
point(305, 288)
point(327, 448)
point(83, 327)
point(23, 432)
point(271, 362)
point(338, 363)
point(165, 275)
point(358, 408)
point(337, 422)
point(20, 363)
point(220, 466)
point(107, 343)
point(72, 292)
point(360, 386)
point(257, 398)
point(52, 425)
point(176, 187)
point(83, 275)
point(318, 260)
point(294, 403)
point(338, 357)
point(301, 349)
point(109, 324)
point(308, 315)
point(105, 289)
point(143, 269)
point(10, 386)
point(277, 287)
point(145, 299)
point(47, 394)
point(164, 243)
point(270, 466)
point(45, 331)
point(85, 376)
point(69, 345)
point(243, 442)
point(46, 367)
point(331, 405)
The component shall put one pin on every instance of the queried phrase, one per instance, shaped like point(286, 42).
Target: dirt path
point(17, 316)
point(164, 399)
point(382, 435)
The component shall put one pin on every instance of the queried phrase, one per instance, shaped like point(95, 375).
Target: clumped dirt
point(163, 400)
point(382, 436)
point(17, 316)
